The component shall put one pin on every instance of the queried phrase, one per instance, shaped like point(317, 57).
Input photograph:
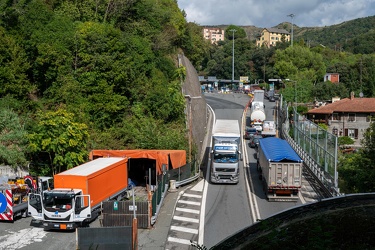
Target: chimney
point(352, 95)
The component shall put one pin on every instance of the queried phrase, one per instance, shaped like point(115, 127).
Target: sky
point(269, 13)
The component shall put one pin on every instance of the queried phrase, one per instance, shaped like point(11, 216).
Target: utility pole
point(292, 16)
point(233, 30)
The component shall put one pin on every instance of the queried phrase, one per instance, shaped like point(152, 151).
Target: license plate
point(62, 226)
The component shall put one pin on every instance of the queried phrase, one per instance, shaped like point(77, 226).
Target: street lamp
point(233, 30)
point(292, 16)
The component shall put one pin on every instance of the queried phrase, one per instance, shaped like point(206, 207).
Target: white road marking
point(192, 195)
point(181, 241)
point(187, 210)
point(186, 219)
point(22, 238)
point(195, 203)
point(184, 229)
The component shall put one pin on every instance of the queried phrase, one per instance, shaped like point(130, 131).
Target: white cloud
point(269, 13)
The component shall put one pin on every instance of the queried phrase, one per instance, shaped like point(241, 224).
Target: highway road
point(231, 208)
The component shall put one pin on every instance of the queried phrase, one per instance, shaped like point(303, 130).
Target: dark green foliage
point(111, 64)
point(357, 170)
point(345, 140)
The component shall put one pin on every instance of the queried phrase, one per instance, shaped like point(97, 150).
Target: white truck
point(78, 193)
point(269, 129)
point(280, 169)
point(225, 152)
point(257, 115)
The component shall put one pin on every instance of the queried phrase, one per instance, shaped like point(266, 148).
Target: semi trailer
point(225, 154)
point(280, 169)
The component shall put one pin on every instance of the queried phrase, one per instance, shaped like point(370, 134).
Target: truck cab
point(62, 209)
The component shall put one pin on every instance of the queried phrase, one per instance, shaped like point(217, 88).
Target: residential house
point(346, 117)
point(270, 36)
point(213, 34)
point(333, 77)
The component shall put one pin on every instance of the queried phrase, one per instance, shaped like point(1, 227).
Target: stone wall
point(196, 104)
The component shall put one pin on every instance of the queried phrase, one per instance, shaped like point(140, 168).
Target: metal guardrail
point(187, 181)
point(314, 167)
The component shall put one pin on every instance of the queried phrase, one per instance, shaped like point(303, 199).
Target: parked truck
point(225, 152)
point(14, 194)
point(78, 193)
point(280, 169)
point(269, 129)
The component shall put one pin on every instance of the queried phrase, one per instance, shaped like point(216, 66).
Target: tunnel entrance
point(142, 171)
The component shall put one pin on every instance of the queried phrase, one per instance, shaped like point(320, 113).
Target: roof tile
point(347, 105)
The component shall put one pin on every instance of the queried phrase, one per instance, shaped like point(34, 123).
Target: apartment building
point(270, 36)
point(213, 34)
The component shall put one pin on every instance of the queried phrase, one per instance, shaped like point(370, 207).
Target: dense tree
point(58, 140)
point(12, 139)
point(357, 170)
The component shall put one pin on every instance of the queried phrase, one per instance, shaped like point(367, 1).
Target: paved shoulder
point(184, 228)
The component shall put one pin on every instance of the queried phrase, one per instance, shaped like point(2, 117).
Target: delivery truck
point(225, 154)
point(280, 169)
point(78, 193)
point(14, 194)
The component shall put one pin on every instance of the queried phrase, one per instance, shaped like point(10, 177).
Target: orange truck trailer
point(78, 193)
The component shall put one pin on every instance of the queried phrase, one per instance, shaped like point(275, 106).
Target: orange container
point(102, 178)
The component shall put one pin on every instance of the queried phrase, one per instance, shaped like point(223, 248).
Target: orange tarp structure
point(177, 157)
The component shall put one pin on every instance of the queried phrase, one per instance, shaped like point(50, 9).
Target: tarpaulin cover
point(276, 150)
point(177, 157)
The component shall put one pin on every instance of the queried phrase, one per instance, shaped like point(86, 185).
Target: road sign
point(115, 206)
point(3, 203)
point(132, 208)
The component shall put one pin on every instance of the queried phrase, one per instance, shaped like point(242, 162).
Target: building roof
point(276, 30)
point(347, 105)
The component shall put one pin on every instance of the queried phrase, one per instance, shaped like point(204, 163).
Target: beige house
point(347, 117)
point(213, 34)
point(270, 36)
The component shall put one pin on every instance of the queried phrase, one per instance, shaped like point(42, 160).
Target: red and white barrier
point(8, 213)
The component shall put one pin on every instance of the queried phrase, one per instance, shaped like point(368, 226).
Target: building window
point(352, 133)
point(351, 117)
point(335, 117)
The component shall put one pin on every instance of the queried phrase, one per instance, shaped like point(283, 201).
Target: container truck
point(225, 152)
point(14, 195)
point(78, 193)
point(269, 129)
point(280, 169)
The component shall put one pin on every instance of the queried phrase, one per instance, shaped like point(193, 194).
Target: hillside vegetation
point(79, 75)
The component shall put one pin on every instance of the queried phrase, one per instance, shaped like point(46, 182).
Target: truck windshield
point(225, 158)
point(53, 202)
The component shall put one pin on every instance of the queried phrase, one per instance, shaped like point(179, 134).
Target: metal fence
point(121, 213)
point(316, 146)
